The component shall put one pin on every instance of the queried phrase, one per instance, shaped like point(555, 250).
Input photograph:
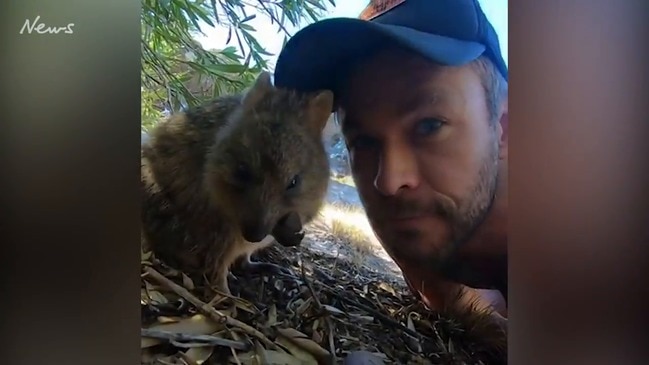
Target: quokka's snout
point(287, 230)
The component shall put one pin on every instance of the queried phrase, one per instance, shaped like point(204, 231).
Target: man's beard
point(474, 210)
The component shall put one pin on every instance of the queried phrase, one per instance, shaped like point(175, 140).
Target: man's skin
point(431, 168)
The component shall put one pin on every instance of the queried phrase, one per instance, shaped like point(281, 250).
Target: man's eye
point(428, 126)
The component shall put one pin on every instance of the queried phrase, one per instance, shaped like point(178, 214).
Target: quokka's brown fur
point(230, 169)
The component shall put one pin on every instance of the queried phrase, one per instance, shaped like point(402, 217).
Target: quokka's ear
point(320, 109)
point(257, 91)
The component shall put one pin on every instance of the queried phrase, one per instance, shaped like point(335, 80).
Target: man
point(421, 95)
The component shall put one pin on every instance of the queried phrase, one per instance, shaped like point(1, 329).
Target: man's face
point(424, 153)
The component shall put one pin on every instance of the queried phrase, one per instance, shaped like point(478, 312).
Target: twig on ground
point(209, 311)
point(380, 316)
point(332, 346)
point(193, 340)
point(308, 284)
point(234, 356)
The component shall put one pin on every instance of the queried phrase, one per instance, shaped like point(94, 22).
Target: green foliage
point(177, 72)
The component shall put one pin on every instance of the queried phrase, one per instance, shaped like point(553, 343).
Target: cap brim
point(315, 56)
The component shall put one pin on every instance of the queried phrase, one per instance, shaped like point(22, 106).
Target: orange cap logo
point(378, 7)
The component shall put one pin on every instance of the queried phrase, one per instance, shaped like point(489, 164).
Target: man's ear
point(503, 131)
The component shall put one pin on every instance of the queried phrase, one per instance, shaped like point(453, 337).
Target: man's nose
point(397, 170)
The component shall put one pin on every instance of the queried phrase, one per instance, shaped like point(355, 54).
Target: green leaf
point(246, 27)
point(228, 50)
point(215, 11)
point(203, 14)
point(312, 14)
point(192, 15)
point(165, 3)
point(248, 18)
point(317, 4)
point(230, 68)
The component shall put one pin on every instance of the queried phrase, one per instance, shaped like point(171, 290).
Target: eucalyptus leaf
point(230, 68)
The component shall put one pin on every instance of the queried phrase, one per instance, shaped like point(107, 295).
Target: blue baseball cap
point(448, 32)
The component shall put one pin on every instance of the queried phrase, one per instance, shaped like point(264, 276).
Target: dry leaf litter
point(329, 307)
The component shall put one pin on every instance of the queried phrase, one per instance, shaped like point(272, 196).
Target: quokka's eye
point(294, 183)
point(242, 173)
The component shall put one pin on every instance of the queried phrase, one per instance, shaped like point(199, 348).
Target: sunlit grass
point(347, 180)
point(349, 224)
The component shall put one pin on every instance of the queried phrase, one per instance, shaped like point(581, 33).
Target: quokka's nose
point(254, 233)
